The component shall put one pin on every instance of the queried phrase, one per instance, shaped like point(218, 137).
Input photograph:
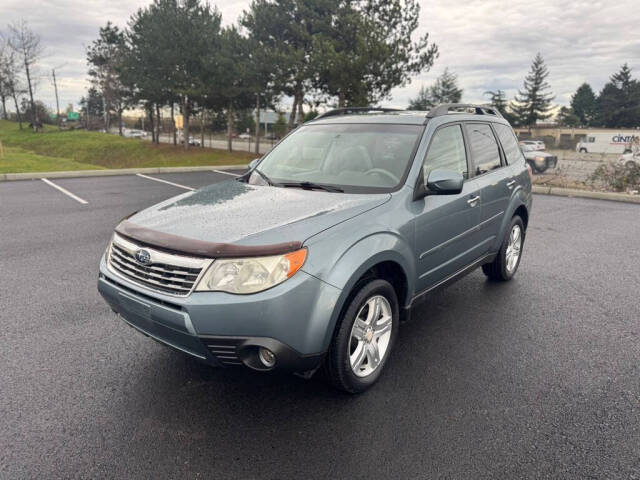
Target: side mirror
point(444, 182)
point(253, 163)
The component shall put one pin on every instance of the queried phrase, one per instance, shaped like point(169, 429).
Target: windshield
point(352, 157)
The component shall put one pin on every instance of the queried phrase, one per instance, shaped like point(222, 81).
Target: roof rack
point(445, 108)
point(356, 110)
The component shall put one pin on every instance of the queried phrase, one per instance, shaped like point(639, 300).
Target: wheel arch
point(390, 260)
point(518, 206)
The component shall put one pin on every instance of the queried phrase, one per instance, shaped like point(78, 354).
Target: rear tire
point(630, 164)
point(351, 364)
point(583, 150)
point(506, 263)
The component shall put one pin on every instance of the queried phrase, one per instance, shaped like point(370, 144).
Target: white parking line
point(65, 191)
point(226, 173)
point(165, 181)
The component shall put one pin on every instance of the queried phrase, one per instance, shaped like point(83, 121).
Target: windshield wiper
point(310, 186)
point(264, 177)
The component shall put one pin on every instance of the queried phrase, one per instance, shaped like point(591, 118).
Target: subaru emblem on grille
point(143, 257)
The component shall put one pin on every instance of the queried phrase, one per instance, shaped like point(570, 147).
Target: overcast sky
point(489, 44)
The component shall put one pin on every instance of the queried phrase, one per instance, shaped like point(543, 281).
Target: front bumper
point(293, 320)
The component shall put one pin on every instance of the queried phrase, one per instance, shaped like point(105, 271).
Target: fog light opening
point(267, 357)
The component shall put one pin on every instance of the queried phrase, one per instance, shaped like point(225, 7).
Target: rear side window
point(486, 155)
point(509, 143)
point(447, 151)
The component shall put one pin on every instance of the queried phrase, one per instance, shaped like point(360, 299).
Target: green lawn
point(53, 150)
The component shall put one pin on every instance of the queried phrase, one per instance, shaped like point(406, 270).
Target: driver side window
point(447, 152)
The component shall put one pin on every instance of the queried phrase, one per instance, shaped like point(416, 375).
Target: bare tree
point(26, 44)
point(9, 82)
point(4, 84)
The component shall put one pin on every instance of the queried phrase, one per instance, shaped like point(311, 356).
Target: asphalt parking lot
point(537, 378)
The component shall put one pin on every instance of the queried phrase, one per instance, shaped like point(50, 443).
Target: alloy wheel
point(513, 248)
point(370, 336)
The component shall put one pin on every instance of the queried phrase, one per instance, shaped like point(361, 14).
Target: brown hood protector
point(200, 248)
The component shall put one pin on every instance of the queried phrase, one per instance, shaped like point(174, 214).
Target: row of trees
point(20, 49)
point(617, 105)
point(532, 103)
point(177, 53)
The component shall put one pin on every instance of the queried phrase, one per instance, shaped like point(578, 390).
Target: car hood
point(233, 212)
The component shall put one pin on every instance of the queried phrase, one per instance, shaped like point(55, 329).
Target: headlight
point(251, 275)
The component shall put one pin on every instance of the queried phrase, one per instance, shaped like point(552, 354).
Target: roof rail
point(477, 109)
point(356, 110)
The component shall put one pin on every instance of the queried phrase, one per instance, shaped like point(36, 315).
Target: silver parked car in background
point(540, 161)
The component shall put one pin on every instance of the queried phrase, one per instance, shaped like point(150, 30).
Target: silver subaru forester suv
point(313, 257)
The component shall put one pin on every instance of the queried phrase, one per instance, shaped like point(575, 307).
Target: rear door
point(495, 181)
point(447, 236)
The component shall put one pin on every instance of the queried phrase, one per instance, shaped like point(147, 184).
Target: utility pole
point(55, 87)
point(257, 124)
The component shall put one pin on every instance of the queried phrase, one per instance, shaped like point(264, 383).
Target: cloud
point(489, 44)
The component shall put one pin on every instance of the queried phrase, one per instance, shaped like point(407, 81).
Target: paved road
point(537, 378)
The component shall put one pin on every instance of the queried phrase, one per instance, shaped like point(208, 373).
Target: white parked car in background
point(630, 160)
point(244, 136)
point(532, 145)
point(132, 133)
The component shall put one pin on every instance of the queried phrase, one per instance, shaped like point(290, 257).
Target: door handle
point(511, 183)
point(473, 201)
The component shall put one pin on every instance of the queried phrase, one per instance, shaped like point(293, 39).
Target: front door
point(446, 232)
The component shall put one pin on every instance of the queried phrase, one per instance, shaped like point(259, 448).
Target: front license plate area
point(134, 306)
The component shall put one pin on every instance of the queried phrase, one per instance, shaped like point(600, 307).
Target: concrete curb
point(8, 177)
point(570, 192)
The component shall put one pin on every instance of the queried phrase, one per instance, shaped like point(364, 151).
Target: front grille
point(225, 351)
point(166, 273)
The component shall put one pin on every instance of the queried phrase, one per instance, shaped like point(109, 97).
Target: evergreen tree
point(91, 108)
point(444, 90)
point(619, 101)
point(533, 102)
point(171, 50)
point(583, 104)
point(567, 117)
point(104, 57)
point(422, 101)
point(364, 49)
point(498, 99)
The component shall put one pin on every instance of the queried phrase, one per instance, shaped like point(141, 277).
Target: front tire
point(583, 150)
point(364, 337)
point(506, 263)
